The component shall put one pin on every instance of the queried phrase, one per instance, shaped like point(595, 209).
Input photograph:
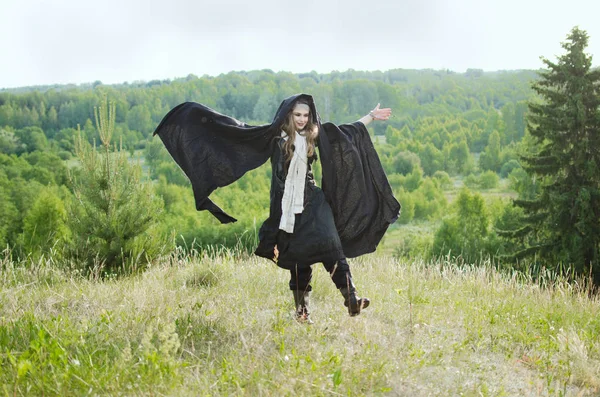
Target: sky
point(46, 42)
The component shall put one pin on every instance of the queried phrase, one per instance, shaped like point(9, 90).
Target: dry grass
point(222, 325)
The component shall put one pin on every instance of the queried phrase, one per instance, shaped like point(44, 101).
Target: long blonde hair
point(311, 132)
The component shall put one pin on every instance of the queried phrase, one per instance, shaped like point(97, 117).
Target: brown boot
point(301, 299)
point(353, 302)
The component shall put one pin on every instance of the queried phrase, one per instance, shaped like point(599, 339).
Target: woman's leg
point(341, 276)
point(339, 272)
point(300, 277)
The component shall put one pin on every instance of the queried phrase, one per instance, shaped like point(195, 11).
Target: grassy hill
point(223, 325)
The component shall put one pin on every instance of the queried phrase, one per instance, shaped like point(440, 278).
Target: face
point(300, 114)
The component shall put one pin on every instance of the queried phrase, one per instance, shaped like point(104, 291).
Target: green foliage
point(18, 195)
point(408, 206)
point(466, 232)
point(8, 210)
point(488, 180)
point(10, 143)
point(424, 200)
point(410, 182)
point(432, 159)
point(524, 184)
point(45, 226)
point(139, 119)
point(506, 223)
point(429, 200)
point(459, 159)
point(485, 180)
point(54, 356)
point(50, 162)
point(247, 200)
point(154, 154)
point(513, 117)
point(509, 167)
point(413, 180)
point(414, 243)
point(394, 136)
point(162, 165)
point(172, 173)
point(443, 179)
point(490, 158)
point(405, 162)
point(471, 181)
point(114, 213)
point(562, 222)
point(66, 139)
point(33, 138)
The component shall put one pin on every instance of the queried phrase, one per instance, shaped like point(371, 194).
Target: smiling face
point(300, 115)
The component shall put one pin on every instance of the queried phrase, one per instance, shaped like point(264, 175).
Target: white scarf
point(293, 194)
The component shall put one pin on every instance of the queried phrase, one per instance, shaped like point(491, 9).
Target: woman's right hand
point(376, 114)
point(380, 114)
point(275, 254)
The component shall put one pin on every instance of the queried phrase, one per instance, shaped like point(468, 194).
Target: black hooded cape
point(215, 150)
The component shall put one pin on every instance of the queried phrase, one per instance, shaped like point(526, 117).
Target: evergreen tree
point(114, 211)
point(562, 222)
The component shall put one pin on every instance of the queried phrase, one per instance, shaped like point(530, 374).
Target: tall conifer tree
point(562, 224)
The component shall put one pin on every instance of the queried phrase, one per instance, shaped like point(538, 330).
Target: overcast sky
point(78, 41)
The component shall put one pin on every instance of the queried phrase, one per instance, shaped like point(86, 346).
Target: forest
point(455, 152)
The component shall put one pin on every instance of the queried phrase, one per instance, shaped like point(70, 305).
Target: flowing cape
point(215, 150)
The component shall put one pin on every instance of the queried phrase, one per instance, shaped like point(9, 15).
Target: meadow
point(221, 323)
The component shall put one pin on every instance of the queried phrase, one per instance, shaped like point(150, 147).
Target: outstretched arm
point(376, 114)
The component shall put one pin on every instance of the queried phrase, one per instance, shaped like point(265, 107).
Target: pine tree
point(114, 210)
point(562, 223)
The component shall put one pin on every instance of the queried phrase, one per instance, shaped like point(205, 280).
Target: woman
point(306, 225)
point(300, 229)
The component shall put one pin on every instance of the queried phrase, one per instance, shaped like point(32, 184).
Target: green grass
point(223, 325)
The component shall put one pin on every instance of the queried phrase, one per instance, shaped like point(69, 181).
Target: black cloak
point(215, 150)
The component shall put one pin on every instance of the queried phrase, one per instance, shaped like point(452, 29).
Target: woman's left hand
point(380, 114)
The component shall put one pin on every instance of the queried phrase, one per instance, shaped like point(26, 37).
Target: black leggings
point(339, 272)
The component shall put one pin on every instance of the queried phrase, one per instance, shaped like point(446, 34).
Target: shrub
point(45, 225)
point(408, 206)
point(444, 179)
point(471, 181)
point(488, 180)
point(405, 162)
point(466, 232)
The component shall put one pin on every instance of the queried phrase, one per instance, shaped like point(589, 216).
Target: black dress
point(315, 237)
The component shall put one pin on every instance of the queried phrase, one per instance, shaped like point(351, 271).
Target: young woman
point(306, 224)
